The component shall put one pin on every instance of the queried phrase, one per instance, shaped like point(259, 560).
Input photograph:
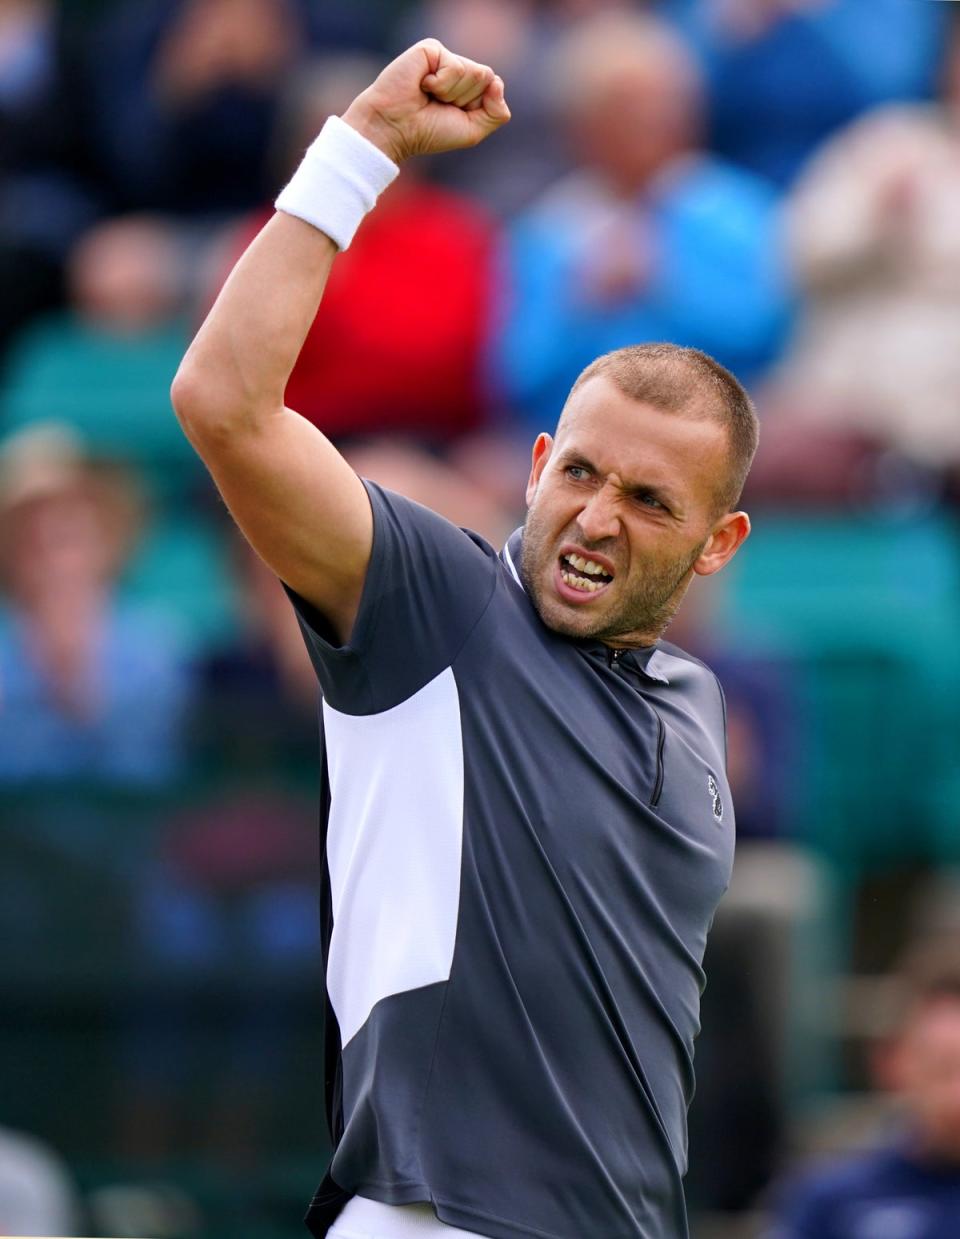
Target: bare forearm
point(237, 368)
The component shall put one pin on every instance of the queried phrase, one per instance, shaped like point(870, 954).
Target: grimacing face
point(621, 514)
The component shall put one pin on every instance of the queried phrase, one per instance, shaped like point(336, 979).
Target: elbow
point(189, 397)
point(203, 409)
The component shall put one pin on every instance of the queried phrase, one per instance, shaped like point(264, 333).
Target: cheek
point(647, 545)
point(551, 510)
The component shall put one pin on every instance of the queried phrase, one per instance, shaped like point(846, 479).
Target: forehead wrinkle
point(574, 454)
point(702, 480)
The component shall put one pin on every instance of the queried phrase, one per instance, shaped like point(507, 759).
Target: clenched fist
point(429, 100)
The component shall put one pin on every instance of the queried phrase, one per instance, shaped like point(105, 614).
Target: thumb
point(491, 107)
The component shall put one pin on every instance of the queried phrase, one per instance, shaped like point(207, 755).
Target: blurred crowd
point(773, 181)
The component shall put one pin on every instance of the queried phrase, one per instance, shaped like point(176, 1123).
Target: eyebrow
point(572, 457)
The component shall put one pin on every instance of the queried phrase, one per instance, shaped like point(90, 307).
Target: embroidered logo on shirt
point(714, 791)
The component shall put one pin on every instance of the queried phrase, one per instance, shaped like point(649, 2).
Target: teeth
point(583, 565)
point(577, 582)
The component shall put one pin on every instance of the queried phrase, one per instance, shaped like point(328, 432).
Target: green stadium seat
point(870, 609)
point(183, 567)
point(113, 390)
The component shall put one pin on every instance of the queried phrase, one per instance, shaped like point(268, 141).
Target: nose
point(598, 518)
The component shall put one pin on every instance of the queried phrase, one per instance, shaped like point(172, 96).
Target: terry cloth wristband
point(340, 178)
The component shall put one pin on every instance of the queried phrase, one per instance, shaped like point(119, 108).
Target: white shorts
point(369, 1219)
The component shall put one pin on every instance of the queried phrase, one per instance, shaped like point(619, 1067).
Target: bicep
point(300, 506)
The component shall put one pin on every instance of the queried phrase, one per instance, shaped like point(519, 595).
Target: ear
point(542, 451)
point(728, 536)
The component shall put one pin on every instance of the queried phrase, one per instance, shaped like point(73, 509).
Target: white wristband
point(340, 178)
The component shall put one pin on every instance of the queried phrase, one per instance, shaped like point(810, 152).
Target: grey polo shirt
point(524, 840)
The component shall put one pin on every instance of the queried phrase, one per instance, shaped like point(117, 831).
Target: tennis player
point(526, 819)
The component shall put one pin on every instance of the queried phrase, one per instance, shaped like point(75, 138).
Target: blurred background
point(774, 181)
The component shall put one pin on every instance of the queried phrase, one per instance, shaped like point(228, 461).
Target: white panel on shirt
point(394, 840)
point(369, 1219)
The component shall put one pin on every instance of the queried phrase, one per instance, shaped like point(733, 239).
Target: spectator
point(649, 239)
point(117, 106)
point(874, 237)
point(88, 688)
point(183, 97)
point(908, 1186)
point(782, 75)
point(105, 366)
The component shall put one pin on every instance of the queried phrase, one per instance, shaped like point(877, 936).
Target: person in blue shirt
point(909, 1186)
point(648, 238)
point(91, 687)
point(807, 67)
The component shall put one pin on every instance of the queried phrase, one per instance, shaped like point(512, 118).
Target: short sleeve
point(427, 585)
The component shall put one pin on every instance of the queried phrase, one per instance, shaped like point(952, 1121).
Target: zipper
point(658, 785)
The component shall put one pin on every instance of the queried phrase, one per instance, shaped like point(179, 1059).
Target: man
point(908, 1187)
point(79, 664)
point(874, 239)
point(528, 825)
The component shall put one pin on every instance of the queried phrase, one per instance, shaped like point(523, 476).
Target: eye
point(577, 473)
point(647, 500)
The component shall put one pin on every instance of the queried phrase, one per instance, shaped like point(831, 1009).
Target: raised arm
point(297, 501)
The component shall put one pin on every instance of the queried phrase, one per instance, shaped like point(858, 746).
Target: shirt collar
point(648, 660)
point(510, 555)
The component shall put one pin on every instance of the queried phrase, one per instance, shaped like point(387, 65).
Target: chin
point(579, 631)
point(559, 619)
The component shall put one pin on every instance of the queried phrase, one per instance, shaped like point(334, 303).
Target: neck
point(660, 621)
point(635, 642)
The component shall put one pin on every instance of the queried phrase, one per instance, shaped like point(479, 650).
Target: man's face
point(926, 1073)
point(59, 537)
point(634, 126)
point(621, 515)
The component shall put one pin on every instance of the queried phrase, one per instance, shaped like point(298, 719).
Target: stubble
point(640, 612)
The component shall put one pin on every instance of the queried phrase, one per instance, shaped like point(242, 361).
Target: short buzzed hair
point(690, 383)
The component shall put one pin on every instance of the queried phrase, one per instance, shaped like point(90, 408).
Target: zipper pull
point(613, 656)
